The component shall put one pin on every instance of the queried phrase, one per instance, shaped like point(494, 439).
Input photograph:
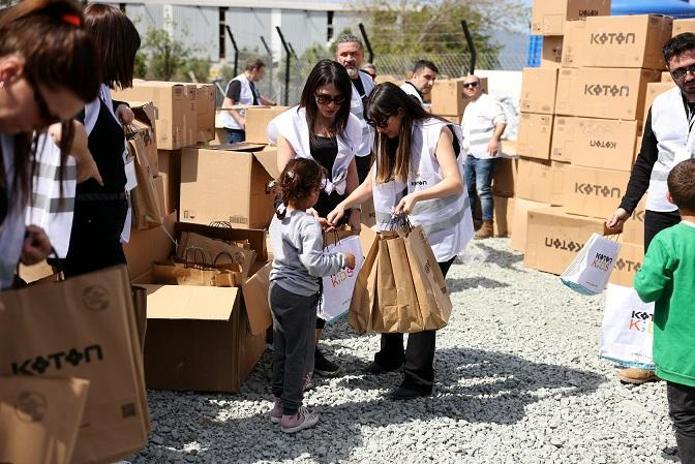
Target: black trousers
point(364, 164)
point(655, 222)
point(681, 409)
point(418, 356)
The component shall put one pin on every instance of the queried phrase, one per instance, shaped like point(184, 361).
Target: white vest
point(447, 221)
point(675, 144)
point(12, 228)
point(357, 109)
point(292, 126)
point(410, 89)
point(245, 98)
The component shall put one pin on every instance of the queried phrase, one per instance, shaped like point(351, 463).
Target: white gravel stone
point(518, 380)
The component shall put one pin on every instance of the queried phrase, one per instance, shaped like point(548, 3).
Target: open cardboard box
point(207, 338)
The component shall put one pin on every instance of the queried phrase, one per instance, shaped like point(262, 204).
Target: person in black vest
point(101, 210)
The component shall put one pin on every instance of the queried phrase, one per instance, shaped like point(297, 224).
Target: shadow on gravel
point(457, 285)
point(473, 386)
point(479, 252)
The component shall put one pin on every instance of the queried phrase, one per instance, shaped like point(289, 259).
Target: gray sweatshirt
point(299, 260)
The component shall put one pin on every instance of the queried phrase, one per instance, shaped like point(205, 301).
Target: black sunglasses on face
point(680, 73)
point(470, 85)
point(322, 99)
point(382, 124)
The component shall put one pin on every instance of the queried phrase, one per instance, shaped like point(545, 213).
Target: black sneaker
point(374, 368)
point(405, 393)
point(324, 367)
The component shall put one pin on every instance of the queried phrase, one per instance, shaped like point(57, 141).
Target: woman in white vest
point(416, 173)
point(242, 91)
point(322, 128)
point(47, 63)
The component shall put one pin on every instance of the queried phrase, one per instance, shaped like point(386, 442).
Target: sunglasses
point(470, 85)
point(680, 73)
point(327, 99)
point(45, 113)
point(382, 123)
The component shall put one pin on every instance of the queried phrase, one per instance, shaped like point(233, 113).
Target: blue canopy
point(675, 8)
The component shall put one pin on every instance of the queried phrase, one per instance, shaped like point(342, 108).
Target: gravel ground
point(518, 381)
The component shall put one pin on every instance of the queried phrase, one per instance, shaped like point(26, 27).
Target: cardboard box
point(571, 43)
point(504, 177)
point(653, 90)
point(633, 41)
point(205, 110)
point(551, 56)
point(40, 418)
point(629, 262)
point(633, 230)
point(538, 90)
point(257, 119)
point(170, 170)
point(145, 122)
point(558, 182)
point(548, 17)
point(533, 180)
point(222, 185)
point(596, 143)
point(397, 80)
point(161, 195)
point(448, 98)
point(206, 338)
point(594, 192)
point(520, 222)
point(666, 77)
point(534, 137)
point(610, 93)
point(147, 246)
point(554, 238)
point(683, 25)
point(503, 215)
point(177, 116)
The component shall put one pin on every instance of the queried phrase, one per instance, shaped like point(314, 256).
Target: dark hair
point(677, 45)
point(422, 64)
point(298, 180)
point(385, 101)
point(254, 63)
point(116, 40)
point(681, 185)
point(327, 72)
point(58, 53)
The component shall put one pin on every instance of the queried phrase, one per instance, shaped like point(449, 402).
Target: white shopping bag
point(337, 289)
point(627, 329)
point(588, 274)
point(51, 207)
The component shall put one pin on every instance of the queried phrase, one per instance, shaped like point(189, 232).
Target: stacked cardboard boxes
point(448, 99)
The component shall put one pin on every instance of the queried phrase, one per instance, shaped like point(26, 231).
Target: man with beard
point(350, 53)
point(668, 139)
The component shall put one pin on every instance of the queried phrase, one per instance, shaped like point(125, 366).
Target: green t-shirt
point(667, 277)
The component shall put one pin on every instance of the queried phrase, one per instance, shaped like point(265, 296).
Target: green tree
point(165, 55)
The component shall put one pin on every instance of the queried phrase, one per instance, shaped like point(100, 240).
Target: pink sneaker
point(300, 421)
point(276, 412)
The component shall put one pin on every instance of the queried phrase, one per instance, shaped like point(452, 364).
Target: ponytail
point(297, 181)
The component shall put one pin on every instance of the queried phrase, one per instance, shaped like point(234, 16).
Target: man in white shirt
point(483, 123)
point(423, 78)
point(349, 52)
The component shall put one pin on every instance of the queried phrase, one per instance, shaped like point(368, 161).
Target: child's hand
point(349, 260)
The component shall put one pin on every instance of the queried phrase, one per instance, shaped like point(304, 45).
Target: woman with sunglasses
point(101, 209)
point(417, 173)
point(321, 128)
point(47, 74)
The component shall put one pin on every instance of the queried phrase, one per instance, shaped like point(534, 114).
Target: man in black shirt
point(661, 150)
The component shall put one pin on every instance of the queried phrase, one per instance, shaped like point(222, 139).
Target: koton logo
point(612, 38)
point(627, 265)
point(605, 144)
point(597, 190)
point(341, 276)
point(606, 90)
point(561, 244)
point(41, 363)
point(641, 321)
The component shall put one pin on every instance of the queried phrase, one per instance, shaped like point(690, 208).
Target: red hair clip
point(72, 19)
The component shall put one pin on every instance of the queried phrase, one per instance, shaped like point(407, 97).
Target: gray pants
point(294, 322)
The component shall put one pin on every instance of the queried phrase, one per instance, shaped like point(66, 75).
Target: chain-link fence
point(399, 66)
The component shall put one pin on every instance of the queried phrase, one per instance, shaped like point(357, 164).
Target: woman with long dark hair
point(101, 209)
point(321, 128)
point(47, 73)
point(417, 173)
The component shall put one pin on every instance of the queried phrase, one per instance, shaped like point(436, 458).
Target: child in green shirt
point(667, 277)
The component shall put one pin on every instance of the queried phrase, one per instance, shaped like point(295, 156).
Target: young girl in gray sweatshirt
point(299, 263)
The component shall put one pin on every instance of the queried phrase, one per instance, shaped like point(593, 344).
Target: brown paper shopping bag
point(430, 286)
point(385, 312)
point(365, 293)
point(147, 210)
point(40, 418)
point(83, 327)
point(406, 296)
point(244, 258)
